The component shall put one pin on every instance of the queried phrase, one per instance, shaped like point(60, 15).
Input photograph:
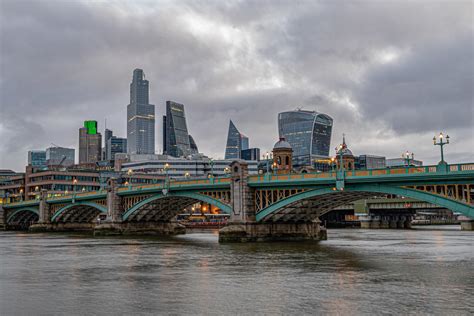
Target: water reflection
point(354, 272)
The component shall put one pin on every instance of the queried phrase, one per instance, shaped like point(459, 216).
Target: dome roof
point(282, 144)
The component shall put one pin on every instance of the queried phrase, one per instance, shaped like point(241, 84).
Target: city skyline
point(388, 94)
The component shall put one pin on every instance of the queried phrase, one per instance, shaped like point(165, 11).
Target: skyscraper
point(60, 156)
point(107, 135)
point(90, 143)
point(37, 158)
point(308, 132)
point(140, 117)
point(236, 142)
point(176, 140)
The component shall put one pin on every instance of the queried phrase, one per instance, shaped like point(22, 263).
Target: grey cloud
point(66, 61)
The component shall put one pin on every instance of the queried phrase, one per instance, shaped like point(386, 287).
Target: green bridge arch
point(454, 205)
point(196, 196)
point(62, 210)
point(15, 212)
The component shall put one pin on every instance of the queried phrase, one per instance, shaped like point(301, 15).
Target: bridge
point(261, 207)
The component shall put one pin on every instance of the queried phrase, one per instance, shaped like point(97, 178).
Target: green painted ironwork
point(13, 214)
point(454, 205)
point(196, 196)
point(59, 212)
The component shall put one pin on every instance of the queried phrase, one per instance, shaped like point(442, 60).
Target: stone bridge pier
point(3, 219)
point(115, 225)
point(242, 225)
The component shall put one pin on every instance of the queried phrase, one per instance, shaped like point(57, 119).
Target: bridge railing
point(362, 173)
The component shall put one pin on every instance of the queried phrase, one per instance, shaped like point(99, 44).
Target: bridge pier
point(467, 225)
point(243, 227)
point(3, 219)
point(44, 222)
point(258, 232)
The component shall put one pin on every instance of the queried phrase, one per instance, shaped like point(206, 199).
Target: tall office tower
point(309, 134)
point(107, 135)
point(178, 141)
point(37, 158)
point(60, 156)
point(236, 142)
point(90, 143)
point(193, 146)
point(164, 136)
point(140, 117)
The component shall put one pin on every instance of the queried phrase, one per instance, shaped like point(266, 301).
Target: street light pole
point(211, 162)
point(407, 157)
point(441, 144)
point(129, 173)
point(74, 183)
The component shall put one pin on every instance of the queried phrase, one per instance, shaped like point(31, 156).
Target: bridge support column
point(467, 224)
point(3, 219)
point(242, 225)
point(114, 225)
point(44, 222)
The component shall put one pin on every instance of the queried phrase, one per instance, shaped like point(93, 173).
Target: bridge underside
point(77, 214)
point(310, 209)
point(161, 210)
point(22, 219)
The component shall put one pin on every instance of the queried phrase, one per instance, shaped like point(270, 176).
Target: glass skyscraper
point(236, 142)
point(308, 132)
point(176, 140)
point(37, 158)
point(140, 117)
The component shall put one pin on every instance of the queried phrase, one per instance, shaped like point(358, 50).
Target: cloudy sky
point(390, 73)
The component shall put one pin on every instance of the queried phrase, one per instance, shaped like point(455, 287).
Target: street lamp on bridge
point(442, 165)
point(409, 157)
point(129, 173)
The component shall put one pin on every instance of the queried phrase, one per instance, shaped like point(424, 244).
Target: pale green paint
point(12, 215)
point(196, 196)
point(453, 205)
point(64, 209)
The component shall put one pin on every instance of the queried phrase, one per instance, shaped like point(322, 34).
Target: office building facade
point(90, 143)
point(176, 140)
point(367, 162)
point(37, 158)
point(309, 134)
point(115, 145)
point(236, 142)
point(140, 117)
point(182, 167)
point(60, 156)
point(402, 162)
point(250, 154)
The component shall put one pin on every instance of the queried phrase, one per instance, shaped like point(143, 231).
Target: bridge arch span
point(79, 212)
point(23, 217)
point(164, 207)
point(311, 204)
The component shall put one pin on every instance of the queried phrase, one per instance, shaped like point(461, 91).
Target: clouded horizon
point(391, 74)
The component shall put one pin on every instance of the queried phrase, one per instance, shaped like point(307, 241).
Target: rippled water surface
point(354, 272)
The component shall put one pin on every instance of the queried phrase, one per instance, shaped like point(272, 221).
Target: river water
point(355, 272)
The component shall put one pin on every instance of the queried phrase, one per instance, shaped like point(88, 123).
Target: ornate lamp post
point(187, 175)
point(74, 184)
point(340, 175)
point(442, 141)
point(274, 167)
point(21, 195)
point(129, 173)
point(166, 167)
point(211, 162)
point(408, 157)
